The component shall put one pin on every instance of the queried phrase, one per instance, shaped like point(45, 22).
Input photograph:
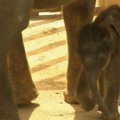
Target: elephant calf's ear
point(115, 25)
point(111, 26)
point(109, 20)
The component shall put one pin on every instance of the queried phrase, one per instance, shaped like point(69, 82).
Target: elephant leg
point(8, 110)
point(13, 18)
point(76, 15)
point(19, 74)
point(83, 93)
point(112, 88)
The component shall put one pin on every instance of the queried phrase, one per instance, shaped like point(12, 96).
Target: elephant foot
point(26, 98)
point(24, 90)
point(69, 98)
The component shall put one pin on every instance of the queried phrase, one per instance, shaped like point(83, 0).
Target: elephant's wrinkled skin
point(99, 54)
point(14, 18)
point(76, 15)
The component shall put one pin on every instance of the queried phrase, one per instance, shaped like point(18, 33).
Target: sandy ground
point(46, 50)
point(50, 105)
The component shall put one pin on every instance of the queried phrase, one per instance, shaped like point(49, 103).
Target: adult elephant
point(13, 19)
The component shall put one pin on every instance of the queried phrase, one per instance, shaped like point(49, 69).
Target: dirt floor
point(50, 105)
point(46, 50)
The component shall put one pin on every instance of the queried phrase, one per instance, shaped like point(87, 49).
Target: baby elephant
point(99, 52)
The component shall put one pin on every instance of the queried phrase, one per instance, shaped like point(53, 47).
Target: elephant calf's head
point(94, 48)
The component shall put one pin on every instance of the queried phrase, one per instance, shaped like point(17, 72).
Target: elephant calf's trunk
point(92, 77)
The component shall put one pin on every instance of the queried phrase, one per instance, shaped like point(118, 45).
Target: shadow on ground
point(25, 111)
point(80, 114)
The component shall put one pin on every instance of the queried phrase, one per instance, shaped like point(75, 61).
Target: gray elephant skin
point(99, 53)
